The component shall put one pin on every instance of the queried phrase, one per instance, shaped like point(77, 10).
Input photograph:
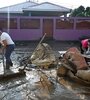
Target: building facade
point(29, 21)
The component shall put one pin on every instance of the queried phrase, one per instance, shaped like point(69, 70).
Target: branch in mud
point(45, 81)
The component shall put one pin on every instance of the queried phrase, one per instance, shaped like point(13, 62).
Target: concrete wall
point(73, 33)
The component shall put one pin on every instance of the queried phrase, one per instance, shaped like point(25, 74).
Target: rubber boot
point(10, 63)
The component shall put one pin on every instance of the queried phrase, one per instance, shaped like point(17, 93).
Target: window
point(64, 24)
point(12, 23)
point(83, 24)
point(3, 23)
point(29, 23)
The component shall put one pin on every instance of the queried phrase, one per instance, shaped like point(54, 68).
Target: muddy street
point(40, 84)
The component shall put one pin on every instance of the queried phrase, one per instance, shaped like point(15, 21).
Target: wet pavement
point(40, 84)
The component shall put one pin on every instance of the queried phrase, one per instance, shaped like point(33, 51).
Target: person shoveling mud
point(8, 45)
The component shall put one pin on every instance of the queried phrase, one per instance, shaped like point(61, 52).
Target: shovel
point(3, 60)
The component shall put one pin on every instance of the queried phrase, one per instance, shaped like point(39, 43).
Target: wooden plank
point(9, 74)
point(86, 56)
point(62, 52)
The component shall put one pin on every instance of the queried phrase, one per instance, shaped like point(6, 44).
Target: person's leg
point(9, 50)
point(81, 48)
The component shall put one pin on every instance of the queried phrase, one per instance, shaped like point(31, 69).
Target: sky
point(72, 4)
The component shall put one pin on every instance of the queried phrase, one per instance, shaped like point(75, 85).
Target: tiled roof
point(17, 8)
point(46, 6)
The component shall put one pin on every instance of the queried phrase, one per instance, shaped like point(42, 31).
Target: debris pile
point(74, 62)
point(43, 56)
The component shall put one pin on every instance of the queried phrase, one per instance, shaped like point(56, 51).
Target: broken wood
point(11, 75)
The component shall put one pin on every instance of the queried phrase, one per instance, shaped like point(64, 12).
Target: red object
point(85, 43)
point(76, 58)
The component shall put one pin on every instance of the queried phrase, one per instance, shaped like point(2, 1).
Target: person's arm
point(4, 44)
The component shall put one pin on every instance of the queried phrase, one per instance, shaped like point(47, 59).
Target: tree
point(87, 12)
point(81, 12)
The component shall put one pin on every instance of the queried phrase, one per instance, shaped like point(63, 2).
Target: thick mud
point(39, 84)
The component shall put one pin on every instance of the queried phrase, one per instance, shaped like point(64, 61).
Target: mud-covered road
point(40, 84)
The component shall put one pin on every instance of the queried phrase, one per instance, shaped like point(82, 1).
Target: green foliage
point(87, 11)
point(81, 12)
